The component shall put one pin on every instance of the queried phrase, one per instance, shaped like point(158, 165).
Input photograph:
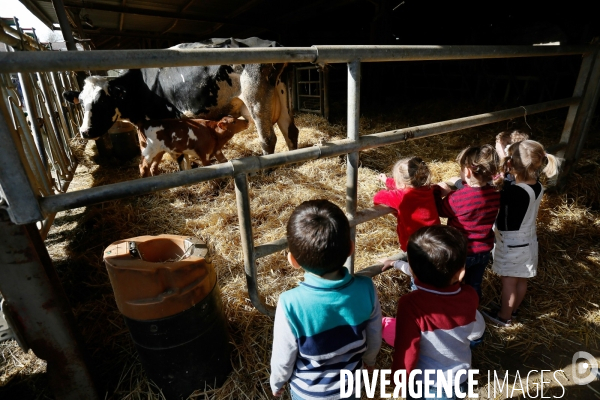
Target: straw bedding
point(562, 301)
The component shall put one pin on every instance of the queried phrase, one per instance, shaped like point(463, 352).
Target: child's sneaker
point(496, 309)
point(493, 316)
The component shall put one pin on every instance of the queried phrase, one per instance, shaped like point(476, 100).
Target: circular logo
point(584, 372)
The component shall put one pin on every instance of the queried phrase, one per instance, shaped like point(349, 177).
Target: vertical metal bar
point(37, 304)
point(40, 174)
point(326, 92)
point(16, 190)
point(243, 206)
point(56, 145)
point(580, 85)
point(65, 27)
point(74, 117)
point(321, 94)
point(63, 132)
point(62, 104)
point(297, 97)
point(39, 46)
point(291, 82)
point(582, 120)
point(352, 161)
point(29, 99)
point(56, 167)
point(57, 154)
point(16, 21)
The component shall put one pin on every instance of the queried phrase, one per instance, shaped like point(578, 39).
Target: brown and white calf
point(196, 138)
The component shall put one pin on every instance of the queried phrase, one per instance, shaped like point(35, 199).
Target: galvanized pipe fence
point(41, 119)
point(36, 129)
point(43, 129)
point(25, 203)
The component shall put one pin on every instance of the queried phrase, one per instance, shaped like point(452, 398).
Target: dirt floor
point(561, 314)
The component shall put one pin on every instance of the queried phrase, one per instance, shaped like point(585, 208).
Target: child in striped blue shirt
point(332, 320)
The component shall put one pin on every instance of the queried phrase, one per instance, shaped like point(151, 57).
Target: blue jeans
point(476, 265)
point(433, 391)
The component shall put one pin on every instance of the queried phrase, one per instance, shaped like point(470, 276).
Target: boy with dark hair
point(332, 320)
point(436, 323)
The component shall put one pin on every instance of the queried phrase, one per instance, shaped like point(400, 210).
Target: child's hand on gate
point(445, 188)
point(387, 264)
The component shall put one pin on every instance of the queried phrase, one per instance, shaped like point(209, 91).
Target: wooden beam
point(90, 5)
point(308, 10)
point(102, 42)
point(180, 11)
point(121, 17)
point(236, 13)
point(122, 44)
point(154, 35)
point(290, 18)
point(38, 12)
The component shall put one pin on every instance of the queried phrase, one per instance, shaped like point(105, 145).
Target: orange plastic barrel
point(166, 288)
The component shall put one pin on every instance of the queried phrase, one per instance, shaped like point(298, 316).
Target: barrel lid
point(158, 276)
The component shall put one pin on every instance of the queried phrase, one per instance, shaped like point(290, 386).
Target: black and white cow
point(254, 91)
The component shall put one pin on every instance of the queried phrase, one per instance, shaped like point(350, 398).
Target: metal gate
point(22, 252)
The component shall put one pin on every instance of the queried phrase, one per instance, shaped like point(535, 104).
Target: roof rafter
point(148, 35)
point(38, 12)
point(125, 9)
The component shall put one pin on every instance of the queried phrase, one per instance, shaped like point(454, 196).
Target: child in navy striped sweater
point(332, 320)
point(473, 207)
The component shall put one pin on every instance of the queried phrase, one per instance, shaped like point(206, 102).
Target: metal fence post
point(36, 303)
point(29, 99)
point(74, 116)
point(242, 196)
point(578, 91)
point(326, 92)
point(62, 105)
point(61, 143)
point(16, 191)
point(352, 160)
point(580, 116)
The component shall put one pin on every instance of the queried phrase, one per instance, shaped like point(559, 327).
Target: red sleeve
point(389, 198)
point(390, 183)
point(408, 337)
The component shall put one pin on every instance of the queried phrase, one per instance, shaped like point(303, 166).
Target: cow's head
point(231, 125)
point(102, 102)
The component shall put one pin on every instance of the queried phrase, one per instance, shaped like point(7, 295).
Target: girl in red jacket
point(409, 192)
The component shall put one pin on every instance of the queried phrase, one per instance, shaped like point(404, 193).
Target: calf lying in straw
point(198, 138)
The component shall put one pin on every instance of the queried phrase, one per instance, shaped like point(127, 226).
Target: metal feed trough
point(27, 278)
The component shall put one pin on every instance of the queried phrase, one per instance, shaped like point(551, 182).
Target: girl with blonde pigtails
point(409, 192)
point(515, 252)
